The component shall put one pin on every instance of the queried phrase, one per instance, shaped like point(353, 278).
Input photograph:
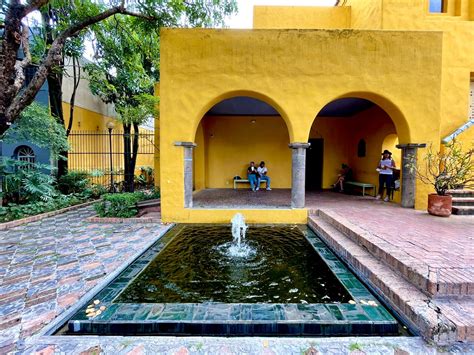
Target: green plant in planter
point(448, 169)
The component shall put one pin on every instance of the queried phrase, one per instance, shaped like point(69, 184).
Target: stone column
point(408, 183)
point(188, 172)
point(298, 169)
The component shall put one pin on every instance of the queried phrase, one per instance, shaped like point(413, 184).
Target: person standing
point(252, 175)
point(262, 175)
point(385, 169)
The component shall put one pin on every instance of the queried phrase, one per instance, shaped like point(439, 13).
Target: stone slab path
point(48, 265)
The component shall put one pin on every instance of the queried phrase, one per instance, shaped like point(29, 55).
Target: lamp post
point(110, 126)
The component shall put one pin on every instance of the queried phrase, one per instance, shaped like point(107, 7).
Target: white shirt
point(388, 164)
point(261, 170)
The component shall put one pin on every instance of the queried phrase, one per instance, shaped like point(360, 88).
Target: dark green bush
point(14, 211)
point(121, 205)
point(73, 182)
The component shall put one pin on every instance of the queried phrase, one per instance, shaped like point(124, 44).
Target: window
point(438, 6)
point(27, 155)
point(361, 149)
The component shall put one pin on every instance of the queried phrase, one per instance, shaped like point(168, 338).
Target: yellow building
point(352, 80)
point(89, 139)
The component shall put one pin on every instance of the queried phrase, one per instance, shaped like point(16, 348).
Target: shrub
point(152, 194)
point(73, 182)
point(121, 205)
point(14, 211)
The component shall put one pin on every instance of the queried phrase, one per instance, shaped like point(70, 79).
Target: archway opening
point(231, 134)
point(352, 131)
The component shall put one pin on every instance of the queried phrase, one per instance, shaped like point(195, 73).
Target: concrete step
point(461, 193)
point(414, 307)
point(463, 201)
point(463, 210)
point(429, 281)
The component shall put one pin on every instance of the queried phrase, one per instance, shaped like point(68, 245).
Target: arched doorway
point(232, 133)
point(352, 131)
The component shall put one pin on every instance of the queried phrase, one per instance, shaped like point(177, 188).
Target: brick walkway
point(440, 248)
point(46, 266)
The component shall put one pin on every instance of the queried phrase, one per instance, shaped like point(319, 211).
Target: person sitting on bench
point(262, 175)
point(344, 174)
point(252, 175)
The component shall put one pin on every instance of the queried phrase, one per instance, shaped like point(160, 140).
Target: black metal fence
point(91, 152)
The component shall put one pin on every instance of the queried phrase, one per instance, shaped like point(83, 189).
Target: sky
point(244, 18)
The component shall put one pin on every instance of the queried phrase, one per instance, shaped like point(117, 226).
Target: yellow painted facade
point(86, 120)
point(413, 65)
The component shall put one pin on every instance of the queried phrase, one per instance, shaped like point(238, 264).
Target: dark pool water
point(193, 268)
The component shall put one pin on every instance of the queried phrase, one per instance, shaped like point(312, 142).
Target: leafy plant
point(450, 168)
point(36, 125)
point(73, 182)
point(24, 181)
point(16, 211)
point(121, 205)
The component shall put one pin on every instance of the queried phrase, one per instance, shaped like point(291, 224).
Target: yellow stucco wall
point(91, 121)
point(380, 66)
point(301, 17)
point(229, 143)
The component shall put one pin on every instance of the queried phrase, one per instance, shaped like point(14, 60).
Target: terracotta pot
point(440, 205)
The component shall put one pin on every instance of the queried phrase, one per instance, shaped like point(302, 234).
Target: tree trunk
point(127, 153)
point(133, 160)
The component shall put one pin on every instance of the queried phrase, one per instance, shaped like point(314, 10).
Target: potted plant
point(451, 168)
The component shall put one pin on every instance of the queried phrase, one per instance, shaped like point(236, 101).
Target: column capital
point(411, 145)
point(297, 145)
point(185, 144)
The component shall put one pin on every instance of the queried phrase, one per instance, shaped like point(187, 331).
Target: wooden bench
point(363, 185)
point(239, 181)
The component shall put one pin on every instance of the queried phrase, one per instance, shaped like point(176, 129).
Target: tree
point(125, 68)
point(82, 14)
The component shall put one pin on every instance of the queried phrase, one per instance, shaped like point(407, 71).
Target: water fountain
point(239, 248)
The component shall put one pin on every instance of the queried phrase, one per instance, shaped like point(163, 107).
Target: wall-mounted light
point(253, 121)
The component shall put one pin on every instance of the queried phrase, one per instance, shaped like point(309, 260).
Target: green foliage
point(152, 194)
point(122, 205)
point(36, 125)
point(354, 347)
point(26, 182)
point(450, 168)
point(73, 182)
point(15, 211)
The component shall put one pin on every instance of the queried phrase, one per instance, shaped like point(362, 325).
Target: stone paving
point(238, 345)
point(46, 266)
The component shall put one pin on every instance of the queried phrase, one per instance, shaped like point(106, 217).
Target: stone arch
point(249, 93)
point(393, 111)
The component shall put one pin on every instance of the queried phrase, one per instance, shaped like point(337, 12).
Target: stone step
point(414, 307)
point(461, 193)
point(463, 201)
point(432, 282)
point(463, 210)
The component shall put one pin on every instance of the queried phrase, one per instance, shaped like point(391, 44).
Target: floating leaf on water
point(352, 302)
point(96, 302)
point(102, 308)
point(363, 302)
point(98, 312)
point(372, 303)
point(304, 302)
point(293, 290)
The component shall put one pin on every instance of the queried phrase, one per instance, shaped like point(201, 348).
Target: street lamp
point(110, 126)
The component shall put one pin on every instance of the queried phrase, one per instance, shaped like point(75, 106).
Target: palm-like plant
point(448, 169)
